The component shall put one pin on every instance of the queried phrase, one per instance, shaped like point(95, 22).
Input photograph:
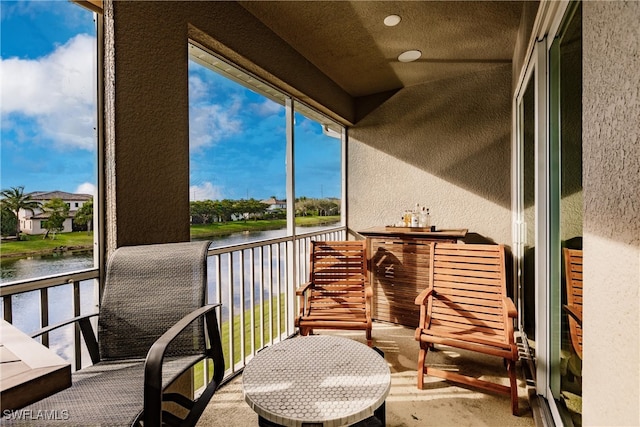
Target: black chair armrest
point(153, 363)
point(86, 329)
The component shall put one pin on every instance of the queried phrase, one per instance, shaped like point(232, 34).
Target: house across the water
point(34, 222)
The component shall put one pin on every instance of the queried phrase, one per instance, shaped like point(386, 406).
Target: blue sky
point(47, 117)
point(47, 107)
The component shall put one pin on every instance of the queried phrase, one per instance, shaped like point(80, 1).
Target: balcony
point(263, 275)
point(439, 404)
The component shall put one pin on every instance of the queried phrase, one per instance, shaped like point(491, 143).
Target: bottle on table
point(425, 218)
point(415, 216)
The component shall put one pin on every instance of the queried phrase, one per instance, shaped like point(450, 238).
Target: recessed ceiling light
point(409, 56)
point(392, 20)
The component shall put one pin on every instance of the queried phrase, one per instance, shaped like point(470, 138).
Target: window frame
point(218, 64)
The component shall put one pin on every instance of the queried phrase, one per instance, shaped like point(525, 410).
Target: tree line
point(210, 211)
point(202, 212)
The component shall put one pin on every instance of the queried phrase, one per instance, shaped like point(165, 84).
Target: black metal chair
point(153, 327)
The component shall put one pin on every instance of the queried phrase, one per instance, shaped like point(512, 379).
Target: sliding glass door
point(565, 139)
point(548, 185)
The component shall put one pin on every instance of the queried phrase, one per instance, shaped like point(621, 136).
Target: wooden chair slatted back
point(469, 286)
point(573, 275)
point(338, 273)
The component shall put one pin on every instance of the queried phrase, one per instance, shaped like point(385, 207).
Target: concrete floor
point(440, 403)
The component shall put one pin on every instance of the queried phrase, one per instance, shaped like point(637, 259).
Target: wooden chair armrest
point(368, 291)
point(574, 313)
point(422, 297)
point(303, 288)
point(511, 307)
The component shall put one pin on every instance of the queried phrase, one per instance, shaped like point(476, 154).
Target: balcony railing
point(255, 282)
point(78, 290)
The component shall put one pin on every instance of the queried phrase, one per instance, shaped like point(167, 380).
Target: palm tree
point(14, 199)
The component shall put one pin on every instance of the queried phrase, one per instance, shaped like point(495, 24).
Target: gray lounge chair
point(153, 326)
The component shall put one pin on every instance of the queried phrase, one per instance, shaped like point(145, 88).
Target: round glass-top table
point(316, 380)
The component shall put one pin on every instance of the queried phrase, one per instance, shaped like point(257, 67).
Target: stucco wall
point(611, 170)
point(444, 144)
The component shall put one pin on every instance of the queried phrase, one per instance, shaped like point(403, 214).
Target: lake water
point(26, 306)
point(62, 262)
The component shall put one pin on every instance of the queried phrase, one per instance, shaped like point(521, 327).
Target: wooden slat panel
point(400, 271)
point(469, 250)
point(481, 320)
point(447, 276)
point(485, 337)
point(335, 314)
point(495, 310)
point(338, 273)
point(342, 324)
point(467, 267)
point(338, 304)
point(469, 298)
point(469, 286)
point(463, 259)
point(573, 279)
point(337, 288)
point(444, 286)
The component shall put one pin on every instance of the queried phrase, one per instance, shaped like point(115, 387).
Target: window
point(238, 144)
point(48, 92)
point(318, 183)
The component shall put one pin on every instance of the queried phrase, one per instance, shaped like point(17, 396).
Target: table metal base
point(377, 420)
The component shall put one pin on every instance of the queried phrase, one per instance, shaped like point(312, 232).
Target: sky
point(48, 118)
point(47, 96)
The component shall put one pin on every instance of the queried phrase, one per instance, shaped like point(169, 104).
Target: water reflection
point(44, 265)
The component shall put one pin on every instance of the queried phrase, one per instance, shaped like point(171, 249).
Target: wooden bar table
point(399, 269)
point(29, 371)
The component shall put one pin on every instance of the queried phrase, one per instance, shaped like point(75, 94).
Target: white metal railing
point(258, 292)
point(255, 283)
point(83, 290)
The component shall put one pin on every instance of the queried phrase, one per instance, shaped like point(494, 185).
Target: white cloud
point(197, 88)
point(57, 90)
point(205, 191)
point(86, 188)
point(210, 123)
point(269, 108)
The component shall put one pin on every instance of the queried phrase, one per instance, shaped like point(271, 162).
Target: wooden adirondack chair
point(466, 306)
point(338, 294)
point(573, 275)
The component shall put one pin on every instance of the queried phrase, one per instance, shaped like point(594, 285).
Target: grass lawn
point(35, 244)
point(226, 228)
point(224, 335)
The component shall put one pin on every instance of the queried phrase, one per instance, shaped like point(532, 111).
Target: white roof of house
point(48, 195)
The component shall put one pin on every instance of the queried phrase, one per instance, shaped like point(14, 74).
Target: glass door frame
point(555, 196)
point(536, 68)
point(547, 26)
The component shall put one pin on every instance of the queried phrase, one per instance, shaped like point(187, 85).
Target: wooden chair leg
point(304, 331)
point(511, 368)
point(369, 338)
point(424, 348)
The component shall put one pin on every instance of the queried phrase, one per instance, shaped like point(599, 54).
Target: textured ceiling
point(349, 43)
